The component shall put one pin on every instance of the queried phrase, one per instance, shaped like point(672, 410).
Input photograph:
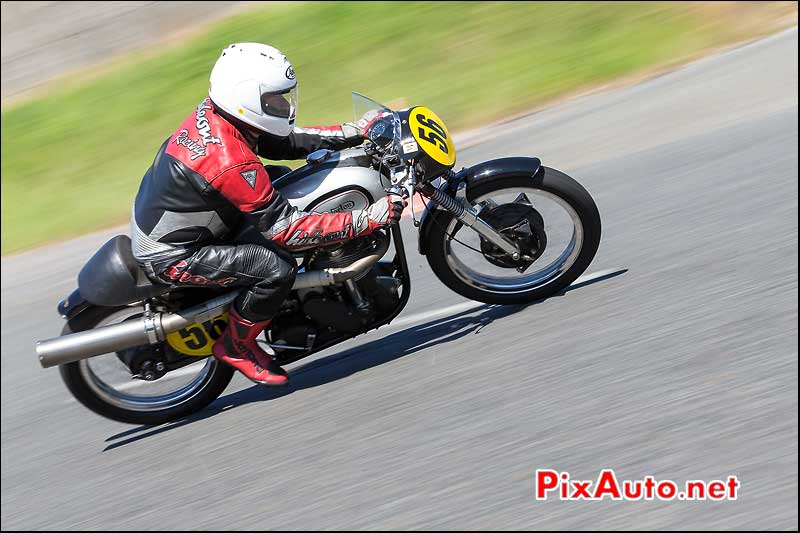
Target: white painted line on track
point(428, 315)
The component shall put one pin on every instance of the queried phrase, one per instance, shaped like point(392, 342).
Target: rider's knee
point(284, 273)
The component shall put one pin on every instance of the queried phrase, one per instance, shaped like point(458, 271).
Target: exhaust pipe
point(85, 344)
point(151, 330)
point(334, 276)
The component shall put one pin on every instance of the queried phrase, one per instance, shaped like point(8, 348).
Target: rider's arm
point(297, 229)
point(303, 141)
point(248, 187)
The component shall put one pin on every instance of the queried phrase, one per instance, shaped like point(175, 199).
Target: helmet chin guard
point(255, 84)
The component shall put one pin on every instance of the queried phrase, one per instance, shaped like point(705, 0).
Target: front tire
point(81, 382)
point(546, 179)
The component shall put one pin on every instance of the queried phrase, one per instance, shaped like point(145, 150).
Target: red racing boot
point(237, 347)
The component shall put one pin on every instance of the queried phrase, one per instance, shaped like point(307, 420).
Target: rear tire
point(546, 179)
point(75, 380)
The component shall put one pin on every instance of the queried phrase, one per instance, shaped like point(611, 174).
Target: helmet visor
point(280, 104)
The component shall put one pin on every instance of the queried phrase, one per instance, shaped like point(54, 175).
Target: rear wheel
point(104, 383)
point(550, 215)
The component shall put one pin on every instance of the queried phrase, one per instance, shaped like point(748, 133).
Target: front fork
point(467, 214)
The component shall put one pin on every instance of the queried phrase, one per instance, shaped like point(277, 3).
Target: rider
point(207, 187)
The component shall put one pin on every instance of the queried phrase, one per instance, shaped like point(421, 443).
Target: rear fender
point(72, 305)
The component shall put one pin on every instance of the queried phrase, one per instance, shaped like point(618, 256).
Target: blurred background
point(675, 356)
point(90, 91)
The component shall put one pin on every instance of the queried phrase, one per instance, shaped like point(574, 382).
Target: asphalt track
point(683, 367)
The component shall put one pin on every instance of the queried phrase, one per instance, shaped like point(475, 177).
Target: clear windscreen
point(368, 112)
point(362, 106)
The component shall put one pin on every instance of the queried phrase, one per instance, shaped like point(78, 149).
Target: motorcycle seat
point(113, 277)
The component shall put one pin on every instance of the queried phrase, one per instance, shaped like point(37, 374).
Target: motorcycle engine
point(344, 254)
point(326, 312)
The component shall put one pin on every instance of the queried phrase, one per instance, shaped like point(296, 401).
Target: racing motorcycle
point(506, 231)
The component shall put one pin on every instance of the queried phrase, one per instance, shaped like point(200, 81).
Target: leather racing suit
point(206, 187)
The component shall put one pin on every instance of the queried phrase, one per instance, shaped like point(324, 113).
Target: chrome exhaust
point(333, 276)
point(155, 328)
point(107, 339)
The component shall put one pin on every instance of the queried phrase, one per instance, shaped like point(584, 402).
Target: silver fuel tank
point(339, 181)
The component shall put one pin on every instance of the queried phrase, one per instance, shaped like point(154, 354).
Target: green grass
point(72, 159)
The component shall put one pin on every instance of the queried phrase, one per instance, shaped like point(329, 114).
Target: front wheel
point(550, 216)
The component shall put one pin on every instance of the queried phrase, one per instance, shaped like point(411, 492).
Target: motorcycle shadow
point(357, 359)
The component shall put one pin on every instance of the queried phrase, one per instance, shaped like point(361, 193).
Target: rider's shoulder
point(208, 143)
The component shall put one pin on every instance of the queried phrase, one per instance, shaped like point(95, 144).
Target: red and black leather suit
point(206, 187)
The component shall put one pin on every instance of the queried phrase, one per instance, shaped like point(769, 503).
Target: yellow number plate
point(432, 135)
point(197, 339)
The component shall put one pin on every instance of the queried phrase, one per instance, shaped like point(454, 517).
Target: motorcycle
point(505, 231)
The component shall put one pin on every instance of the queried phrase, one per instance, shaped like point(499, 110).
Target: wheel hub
point(523, 225)
point(144, 362)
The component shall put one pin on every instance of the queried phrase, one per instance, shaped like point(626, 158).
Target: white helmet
point(255, 84)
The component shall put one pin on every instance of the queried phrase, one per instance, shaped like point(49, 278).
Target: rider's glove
point(367, 120)
point(384, 212)
point(351, 131)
